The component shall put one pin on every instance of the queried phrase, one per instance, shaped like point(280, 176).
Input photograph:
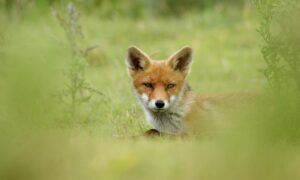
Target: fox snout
point(159, 104)
point(155, 104)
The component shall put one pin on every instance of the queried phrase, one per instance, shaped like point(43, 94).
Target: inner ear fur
point(137, 59)
point(182, 59)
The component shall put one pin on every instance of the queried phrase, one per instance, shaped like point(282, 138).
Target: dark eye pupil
point(149, 85)
point(170, 86)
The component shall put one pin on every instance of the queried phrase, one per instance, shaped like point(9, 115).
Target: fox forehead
point(159, 72)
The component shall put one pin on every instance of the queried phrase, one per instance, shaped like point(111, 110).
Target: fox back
point(168, 102)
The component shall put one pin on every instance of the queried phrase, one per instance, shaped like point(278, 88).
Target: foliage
point(134, 8)
point(258, 142)
point(280, 32)
point(78, 90)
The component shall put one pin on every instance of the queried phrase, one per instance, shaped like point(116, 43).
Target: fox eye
point(148, 85)
point(171, 85)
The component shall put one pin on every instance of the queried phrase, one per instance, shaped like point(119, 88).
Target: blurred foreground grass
point(38, 142)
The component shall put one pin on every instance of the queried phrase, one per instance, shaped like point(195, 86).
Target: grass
point(38, 143)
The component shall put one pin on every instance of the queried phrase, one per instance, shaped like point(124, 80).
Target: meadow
point(40, 141)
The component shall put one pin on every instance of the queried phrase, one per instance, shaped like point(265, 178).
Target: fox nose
point(159, 104)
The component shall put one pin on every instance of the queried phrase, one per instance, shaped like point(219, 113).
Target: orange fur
point(183, 110)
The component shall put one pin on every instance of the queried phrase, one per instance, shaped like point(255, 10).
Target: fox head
point(159, 84)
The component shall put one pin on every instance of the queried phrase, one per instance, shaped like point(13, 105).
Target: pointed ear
point(136, 59)
point(181, 60)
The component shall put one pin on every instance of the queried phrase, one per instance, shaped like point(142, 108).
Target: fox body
point(162, 89)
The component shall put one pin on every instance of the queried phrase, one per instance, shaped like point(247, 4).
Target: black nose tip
point(159, 104)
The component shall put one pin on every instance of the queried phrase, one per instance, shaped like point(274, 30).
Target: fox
point(170, 106)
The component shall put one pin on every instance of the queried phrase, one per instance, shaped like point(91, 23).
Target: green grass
point(38, 143)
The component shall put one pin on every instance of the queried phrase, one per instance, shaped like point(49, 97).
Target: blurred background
point(67, 110)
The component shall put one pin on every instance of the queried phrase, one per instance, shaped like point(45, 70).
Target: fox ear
point(182, 59)
point(137, 59)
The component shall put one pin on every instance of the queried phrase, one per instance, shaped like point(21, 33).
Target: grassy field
point(37, 142)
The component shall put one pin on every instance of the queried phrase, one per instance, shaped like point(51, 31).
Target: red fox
point(168, 102)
